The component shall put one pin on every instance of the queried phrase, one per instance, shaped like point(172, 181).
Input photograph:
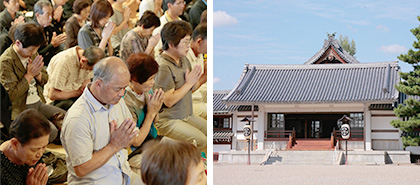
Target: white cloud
point(216, 80)
point(357, 22)
point(351, 28)
point(221, 18)
point(395, 48)
point(382, 28)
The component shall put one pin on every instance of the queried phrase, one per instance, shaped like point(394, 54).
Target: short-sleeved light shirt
point(200, 93)
point(146, 5)
point(65, 72)
point(165, 18)
point(172, 76)
point(85, 131)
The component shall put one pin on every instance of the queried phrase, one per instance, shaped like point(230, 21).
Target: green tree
point(410, 85)
point(350, 47)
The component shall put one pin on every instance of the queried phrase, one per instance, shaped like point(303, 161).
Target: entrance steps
point(302, 157)
point(312, 145)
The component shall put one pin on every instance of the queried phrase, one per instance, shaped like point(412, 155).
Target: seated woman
point(178, 79)
point(172, 162)
point(99, 31)
point(121, 19)
point(21, 155)
point(139, 40)
point(81, 9)
point(144, 104)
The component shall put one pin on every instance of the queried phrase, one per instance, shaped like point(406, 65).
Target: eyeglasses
point(47, 14)
point(187, 42)
point(178, 3)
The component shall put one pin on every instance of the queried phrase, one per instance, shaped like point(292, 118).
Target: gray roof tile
point(321, 83)
point(218, 105)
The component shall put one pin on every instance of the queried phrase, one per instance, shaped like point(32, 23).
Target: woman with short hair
point(81, 9)
point(98, 32)
point(21, 156)
point(144, 102)
point(140, 39)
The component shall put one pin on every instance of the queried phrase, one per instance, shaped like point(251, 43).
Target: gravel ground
point(237, 174)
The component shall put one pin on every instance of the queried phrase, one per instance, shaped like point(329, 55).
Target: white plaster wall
point(240, 124)
point(352, 145)
point(385, 135)
point(385, 140)
point(221, 147)
point(383, 123)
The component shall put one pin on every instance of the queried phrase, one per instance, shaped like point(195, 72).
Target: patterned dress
point(12, 174)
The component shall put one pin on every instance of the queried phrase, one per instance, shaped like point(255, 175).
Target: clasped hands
point(122, 136)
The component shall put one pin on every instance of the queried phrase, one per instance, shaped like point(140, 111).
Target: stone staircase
point(305, 151)
point(312, 145)
point(302, 157)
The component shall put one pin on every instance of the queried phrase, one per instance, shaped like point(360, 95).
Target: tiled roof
point(334, 44)
point(321, 83)
point(218, 105)
point(222, 136)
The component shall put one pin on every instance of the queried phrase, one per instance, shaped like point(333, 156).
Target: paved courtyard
point(237, 174)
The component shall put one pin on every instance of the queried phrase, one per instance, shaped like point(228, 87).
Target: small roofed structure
point(330, 53)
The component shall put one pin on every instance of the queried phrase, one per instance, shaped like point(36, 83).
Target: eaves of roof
point(321, 83)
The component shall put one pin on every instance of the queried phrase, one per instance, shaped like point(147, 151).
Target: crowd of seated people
point(109, 86)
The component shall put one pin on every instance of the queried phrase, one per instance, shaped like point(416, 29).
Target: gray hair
point(170, 1)
point(93, 55)
point(39, 5)
point(102, 70)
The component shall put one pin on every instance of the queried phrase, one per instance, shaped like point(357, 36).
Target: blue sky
point(291, 32)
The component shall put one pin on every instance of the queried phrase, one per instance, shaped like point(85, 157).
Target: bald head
point(110, 78)
point(107, 67)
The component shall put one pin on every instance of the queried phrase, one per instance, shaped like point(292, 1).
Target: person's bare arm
point(203, 78)
point(158, 5)
point(153, 107)
point(152, 44)
point(56, 94)
point(106, 35)
point(22, 4)
point(172, 96)
point(120, 138)
point(124, 23)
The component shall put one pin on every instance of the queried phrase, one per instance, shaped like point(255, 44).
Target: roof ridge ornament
point(331, 35)
point(342, 55)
